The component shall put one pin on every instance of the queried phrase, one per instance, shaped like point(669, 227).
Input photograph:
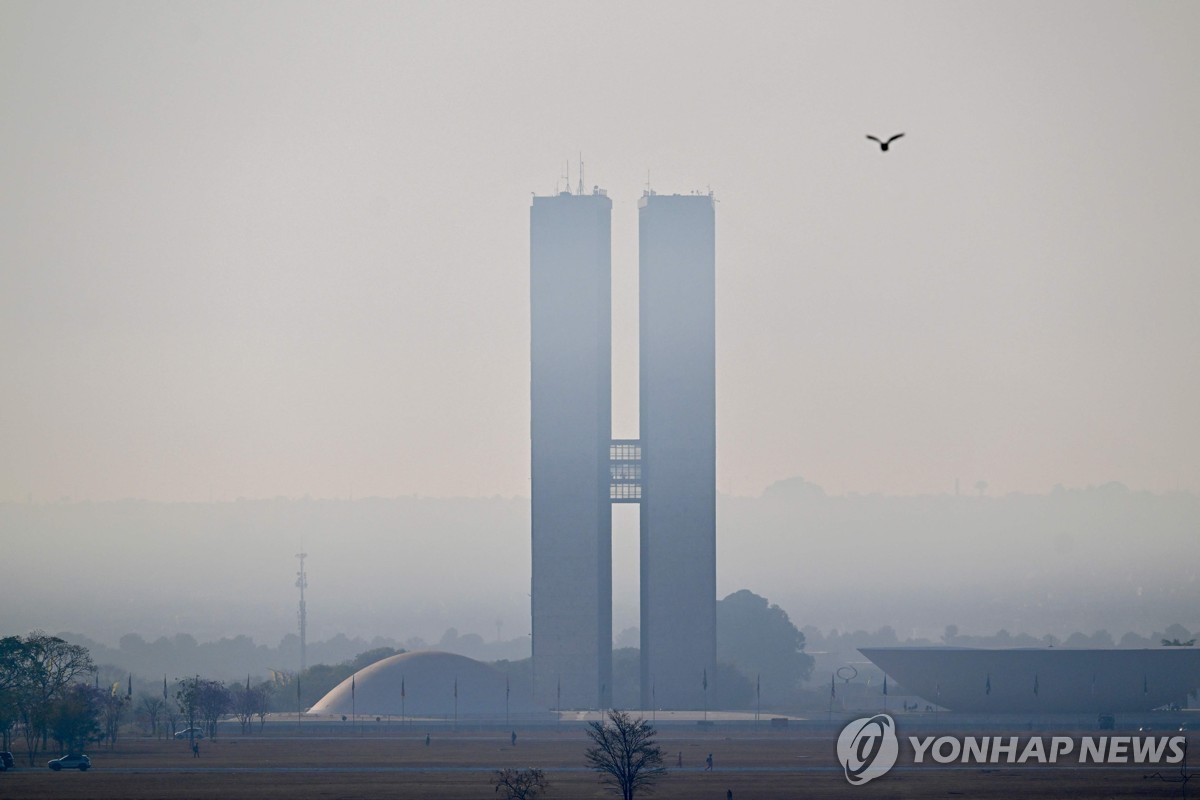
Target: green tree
point(624, 753)
point(75, 715)
point(760, 640)
point(187, 699)
point(11, 650)
point(736, 688)
point(46, 667)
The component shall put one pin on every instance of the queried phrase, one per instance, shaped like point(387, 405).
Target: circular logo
point(867, 748)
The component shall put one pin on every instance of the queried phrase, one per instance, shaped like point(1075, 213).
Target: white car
point(81, 763)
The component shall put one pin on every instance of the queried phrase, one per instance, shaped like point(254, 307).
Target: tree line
point(50, 691)
point(40, 692)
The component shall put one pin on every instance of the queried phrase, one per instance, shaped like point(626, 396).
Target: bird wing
point(873, 139)
point(894, 138)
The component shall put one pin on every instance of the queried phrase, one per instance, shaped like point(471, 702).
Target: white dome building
point(425, 684)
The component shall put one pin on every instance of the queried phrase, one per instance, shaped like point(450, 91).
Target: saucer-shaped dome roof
point(424, 684)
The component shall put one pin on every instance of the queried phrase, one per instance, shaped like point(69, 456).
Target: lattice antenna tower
point(302, 584)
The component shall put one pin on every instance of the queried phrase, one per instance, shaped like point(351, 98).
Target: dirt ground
point(344, 764)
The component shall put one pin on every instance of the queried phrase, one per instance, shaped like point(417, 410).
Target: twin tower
point(579, 470)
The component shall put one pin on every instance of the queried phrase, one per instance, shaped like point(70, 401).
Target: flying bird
point(882, 144)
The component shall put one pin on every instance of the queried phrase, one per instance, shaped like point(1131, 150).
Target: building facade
point(579, 470)
point(571, 430)
point(677, 411)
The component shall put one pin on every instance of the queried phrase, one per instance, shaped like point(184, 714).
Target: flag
point(987, 687)
point(885, 685)
point(1035, 684)
point(130, 692)
point(352, 688)
point(507, 688)
point(456, 688)
point(402, 686)
point(706, 679)
point(832, 687)
point(758, 686)
point(164, 687)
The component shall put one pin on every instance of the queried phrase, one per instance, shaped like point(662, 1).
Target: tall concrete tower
point(677, 254)
point(578, 470)
point(570, 294)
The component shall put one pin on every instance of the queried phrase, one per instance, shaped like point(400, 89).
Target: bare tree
point(205, 700)
point(250, 701)
point(625, 754)
point(520, 784)
point(245, 703)
point(151, 708)
point(262, 699)
point(171, 713)
point(215, 701)
point(113, 706)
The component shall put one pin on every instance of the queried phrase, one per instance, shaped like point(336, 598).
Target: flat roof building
point(1052, 680)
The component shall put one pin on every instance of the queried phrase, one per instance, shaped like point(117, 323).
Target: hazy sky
point(271, 249)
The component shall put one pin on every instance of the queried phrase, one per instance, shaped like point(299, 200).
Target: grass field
point(339, 763)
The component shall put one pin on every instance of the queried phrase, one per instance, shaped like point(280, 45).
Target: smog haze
point(264, 287)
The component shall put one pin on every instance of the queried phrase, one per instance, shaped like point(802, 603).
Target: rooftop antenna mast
point(302, 584)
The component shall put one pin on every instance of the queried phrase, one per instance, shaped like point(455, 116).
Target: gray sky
point(272, 249)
